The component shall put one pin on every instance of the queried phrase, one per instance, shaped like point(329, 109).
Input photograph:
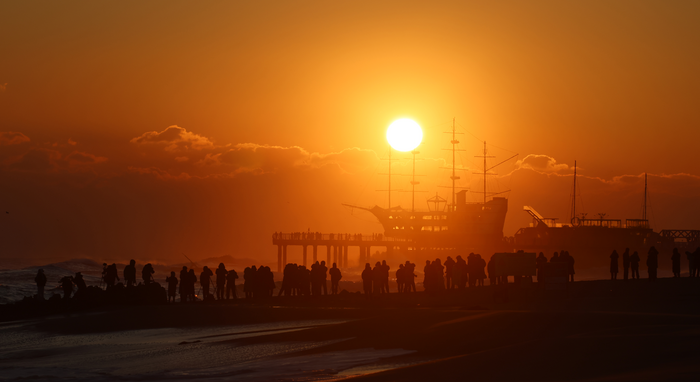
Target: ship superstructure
point(444, 225)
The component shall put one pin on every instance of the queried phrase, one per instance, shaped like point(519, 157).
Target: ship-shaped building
point(459, 225)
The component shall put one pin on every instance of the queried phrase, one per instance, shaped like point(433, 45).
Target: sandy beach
point(603, 330)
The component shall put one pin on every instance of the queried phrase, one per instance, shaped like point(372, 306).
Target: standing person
point(385, 277)
point(540, 264)
point(248, 275)
point(147, 273)
point(324, 282)
point(491, 269)
point(221, 273)
point(111, 276)
point(40, 281)
point(427, 277)
point(172, 286)
point(482, 271)
point(191, 281)
point(79, 281)
point(367, 277)
point(335, 278)
point(461, 273)
point(613, 265)
point(652, 263)
point(67, 286)
point(625, 263)
point(570, 261)
point(205, 281)
point(231, 277)
point(676, 263)
point(183, 284)
point(634, 265)
point(378, 278)
point(449, 272)
point(692, 259)
point(130, 273)
point(472, 269)
point(270, 277)
point(400, 279)
point(410, 276)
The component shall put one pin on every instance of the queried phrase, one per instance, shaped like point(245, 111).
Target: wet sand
point(602, 330)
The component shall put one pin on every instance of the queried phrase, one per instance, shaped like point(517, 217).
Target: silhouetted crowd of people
point(298, 280)
point(631, 262)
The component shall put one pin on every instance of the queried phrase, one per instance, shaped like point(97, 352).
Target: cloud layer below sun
point(174, 191)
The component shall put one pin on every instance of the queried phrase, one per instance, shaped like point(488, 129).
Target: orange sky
point(282, 109)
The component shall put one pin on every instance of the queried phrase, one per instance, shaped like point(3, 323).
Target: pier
point(336, 246)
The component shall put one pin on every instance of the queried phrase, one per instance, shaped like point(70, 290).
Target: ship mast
point(389, 189)
point(644, 210)
point(453, 177)
point(413, 182)
point(573, 201)
point(485, 173)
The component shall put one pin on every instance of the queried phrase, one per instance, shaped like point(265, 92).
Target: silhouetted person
point(378, 278)
point(570, 262)
point(400, 278)
point(324, 282)
point(191, 281)
point(130, 273)
point(172, 286)
point(111, 276)
point(693, 258)
point(652, 263)
point(427, 276)
point(335, 278)
point(220, 281)
point(67, 286)
point(40, 281)
point(481, 270)
point(449, 272)
point(676, 262)
point(79, 281)
point(634, 265)
point(367, 278)
point(626, 263)
point(231, 277)
point(183, 284)
point(554, 258)
point(540, 264)
point(147, 273)
point(385, 277)
point(491, 268)
point(248, 282)
point(614, 265)
point(205, 281)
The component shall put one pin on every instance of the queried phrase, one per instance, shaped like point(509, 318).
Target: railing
point(317, 236)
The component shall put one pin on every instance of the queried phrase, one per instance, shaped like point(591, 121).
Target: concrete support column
point(279, 258)
point(315, 253)
point(284, 255)
point(304, 257)
point(328, 256)
point(345, 256)
point(335, 254)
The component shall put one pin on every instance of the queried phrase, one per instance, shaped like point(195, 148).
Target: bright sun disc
point(404, 134)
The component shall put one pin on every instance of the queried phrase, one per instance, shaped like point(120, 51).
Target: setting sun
point(404, 134)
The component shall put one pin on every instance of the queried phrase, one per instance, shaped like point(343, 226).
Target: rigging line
point(469, 132)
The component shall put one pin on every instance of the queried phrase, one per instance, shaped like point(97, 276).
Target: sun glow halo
point(404, 134)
